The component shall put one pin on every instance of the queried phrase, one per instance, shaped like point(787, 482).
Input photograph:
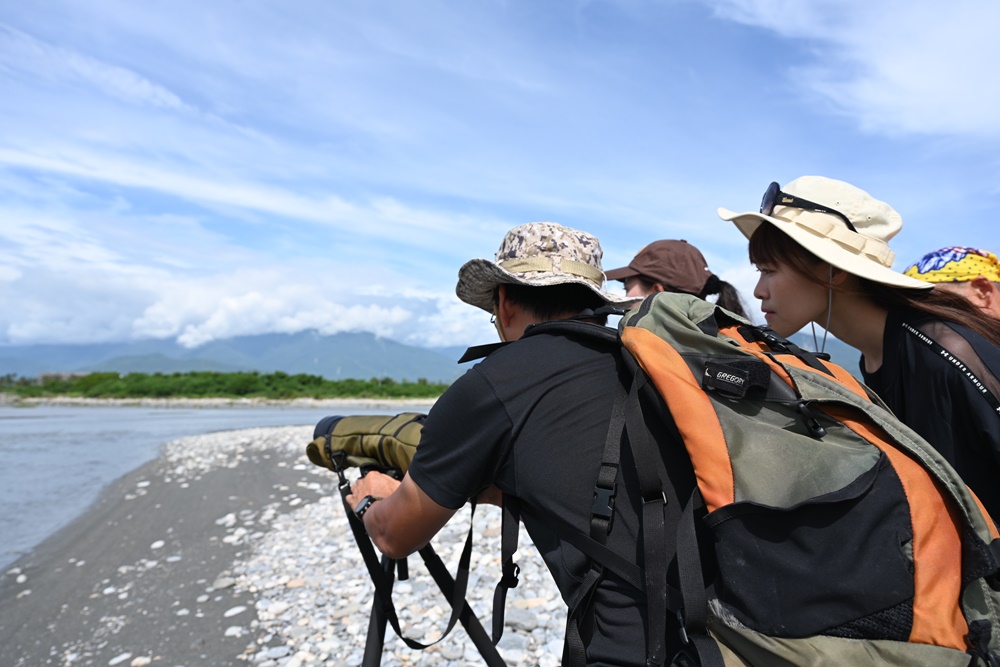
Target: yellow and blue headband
point(956, 264)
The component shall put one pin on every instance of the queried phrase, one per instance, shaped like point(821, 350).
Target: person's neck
point(860, 323)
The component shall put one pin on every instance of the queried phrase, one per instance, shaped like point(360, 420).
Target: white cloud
point(194, 171)
point(897, 66)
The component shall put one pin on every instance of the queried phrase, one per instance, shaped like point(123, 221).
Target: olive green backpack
point(838, 536)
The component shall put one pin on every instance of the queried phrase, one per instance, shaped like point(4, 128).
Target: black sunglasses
point(773, 196)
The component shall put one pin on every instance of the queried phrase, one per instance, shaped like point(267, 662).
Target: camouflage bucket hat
point(537, 254)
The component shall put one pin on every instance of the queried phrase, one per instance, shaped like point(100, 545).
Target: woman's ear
point(838, 276)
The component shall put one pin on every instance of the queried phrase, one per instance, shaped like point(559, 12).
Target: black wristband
point(364, 505)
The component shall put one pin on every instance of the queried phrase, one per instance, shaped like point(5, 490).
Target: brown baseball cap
point(677, 265)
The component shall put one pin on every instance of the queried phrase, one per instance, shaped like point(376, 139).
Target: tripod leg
point(376, 625)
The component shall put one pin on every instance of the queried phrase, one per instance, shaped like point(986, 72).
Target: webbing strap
point(778, 345)
point(690, 605)
point(574, 650)
point(509, 570)
point(602, 511)
point(383, 582)
point(628, 571)
point(654, 533)
point(581, 610)
point(694, 616)
point(375, 640)
point(709, 653)
point(689, 570)
point(448, 586)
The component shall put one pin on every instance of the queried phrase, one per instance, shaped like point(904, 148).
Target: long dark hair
point(729, 296)
point(769, 245)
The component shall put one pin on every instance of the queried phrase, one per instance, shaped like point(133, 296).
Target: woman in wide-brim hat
point(821, 247)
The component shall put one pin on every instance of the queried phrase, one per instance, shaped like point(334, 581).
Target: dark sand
point(100, 590)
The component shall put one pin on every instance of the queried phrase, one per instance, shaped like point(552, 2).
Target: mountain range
point(339, 356)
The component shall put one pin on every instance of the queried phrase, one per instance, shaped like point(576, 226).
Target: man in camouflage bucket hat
point(538, 254)
point(529, 421)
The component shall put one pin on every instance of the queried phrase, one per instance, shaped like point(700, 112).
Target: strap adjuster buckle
point(604, 502)
point(509, 578)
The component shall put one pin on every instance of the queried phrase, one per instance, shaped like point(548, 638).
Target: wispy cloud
point(192, 171)
point(23, 55)
point(898, 66)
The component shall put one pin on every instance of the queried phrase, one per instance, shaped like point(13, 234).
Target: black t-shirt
point(932, 396)
point(532, 418)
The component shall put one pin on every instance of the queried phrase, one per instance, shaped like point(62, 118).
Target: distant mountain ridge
point(339, 356)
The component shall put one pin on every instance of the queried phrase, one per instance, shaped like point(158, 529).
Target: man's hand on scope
point(405, 520)
point(373, 484)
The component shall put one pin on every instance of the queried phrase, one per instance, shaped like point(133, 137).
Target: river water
point(54, 460)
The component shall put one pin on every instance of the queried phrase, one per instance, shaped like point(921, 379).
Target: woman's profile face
point(790, 300)
point(637, 287)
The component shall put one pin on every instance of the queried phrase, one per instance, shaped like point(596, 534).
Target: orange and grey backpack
point(822, 530)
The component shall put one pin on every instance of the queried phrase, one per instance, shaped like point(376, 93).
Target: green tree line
point(217, 385)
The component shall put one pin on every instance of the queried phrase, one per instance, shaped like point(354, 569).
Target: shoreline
point(11, 400)
point(141, 577)
point(231, 548)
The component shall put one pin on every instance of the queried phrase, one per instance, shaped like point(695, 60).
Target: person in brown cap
point(530, 421)
point(676, 266)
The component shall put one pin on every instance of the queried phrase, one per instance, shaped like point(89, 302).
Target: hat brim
point(622, 273)
point(478, 278)
point(826, 249)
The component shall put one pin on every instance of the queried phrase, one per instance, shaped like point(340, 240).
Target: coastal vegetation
point(206, 384)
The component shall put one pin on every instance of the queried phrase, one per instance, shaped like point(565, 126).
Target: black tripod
point(384, 572)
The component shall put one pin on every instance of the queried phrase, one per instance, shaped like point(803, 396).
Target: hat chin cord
point(829, 314)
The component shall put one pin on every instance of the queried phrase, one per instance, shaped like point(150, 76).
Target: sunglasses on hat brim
point(773, 196)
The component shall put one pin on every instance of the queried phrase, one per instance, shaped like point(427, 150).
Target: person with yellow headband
point(970, 272)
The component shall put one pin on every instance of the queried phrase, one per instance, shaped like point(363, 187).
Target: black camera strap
point(454, 589)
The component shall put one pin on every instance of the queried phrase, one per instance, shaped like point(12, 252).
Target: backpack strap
point(691, 605)
point(580, 616)
point(509, 570)
point(764, 343)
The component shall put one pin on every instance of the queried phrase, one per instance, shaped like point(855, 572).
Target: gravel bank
point(233, 549)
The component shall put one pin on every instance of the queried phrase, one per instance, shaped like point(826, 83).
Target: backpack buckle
point(604, 502)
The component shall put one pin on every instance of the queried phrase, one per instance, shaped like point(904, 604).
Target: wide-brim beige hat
point(864, 253)
point(537, 254)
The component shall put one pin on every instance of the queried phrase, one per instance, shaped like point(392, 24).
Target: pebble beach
point(233, 549)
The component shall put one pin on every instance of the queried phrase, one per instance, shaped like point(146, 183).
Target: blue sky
point(198, 170)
